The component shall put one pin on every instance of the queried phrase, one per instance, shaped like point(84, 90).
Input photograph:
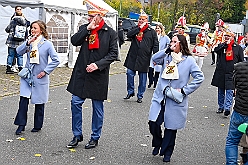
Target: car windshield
point(193, 29)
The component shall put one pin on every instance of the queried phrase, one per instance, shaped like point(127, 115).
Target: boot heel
point(20, 129)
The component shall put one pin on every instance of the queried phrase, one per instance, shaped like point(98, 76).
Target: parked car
point(192, 30)
point(127, 24)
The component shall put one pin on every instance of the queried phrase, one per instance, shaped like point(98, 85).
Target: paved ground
point(125, 137)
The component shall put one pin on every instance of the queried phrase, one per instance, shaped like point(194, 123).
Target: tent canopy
point(73, 6)
point(63, 18)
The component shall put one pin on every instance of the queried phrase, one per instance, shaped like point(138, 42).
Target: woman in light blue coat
point(36, 88)
point(164, 42)
point(177, 67)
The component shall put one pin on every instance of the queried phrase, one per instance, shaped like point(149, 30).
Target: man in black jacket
point(240, 111)
point(228, 54)
point(144, 43)
point(90, 76)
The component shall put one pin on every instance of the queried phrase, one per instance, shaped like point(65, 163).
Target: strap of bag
point(164, 92)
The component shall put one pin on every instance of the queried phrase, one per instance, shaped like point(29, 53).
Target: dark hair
point(17, 7)
point(183, 44)
point(42, 26)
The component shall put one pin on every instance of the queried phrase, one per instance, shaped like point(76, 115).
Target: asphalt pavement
point(125, 136)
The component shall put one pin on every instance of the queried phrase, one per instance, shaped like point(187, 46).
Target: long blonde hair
point(162, 29)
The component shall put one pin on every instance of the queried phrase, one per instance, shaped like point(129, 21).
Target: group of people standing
point(151, 50)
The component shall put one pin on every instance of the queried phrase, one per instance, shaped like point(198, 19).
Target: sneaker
point(220, 110)
point(13, 68)
point(91, 144)
point(74, 142)
point(226, 113)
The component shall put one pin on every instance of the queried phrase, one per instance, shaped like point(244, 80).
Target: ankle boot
point(19, 68)
point(8, 70)
point(20, 129)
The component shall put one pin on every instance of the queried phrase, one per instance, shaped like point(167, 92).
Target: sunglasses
point(174, 41)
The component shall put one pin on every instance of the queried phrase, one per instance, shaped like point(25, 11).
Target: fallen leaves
point(37, 155)
point(92, 158)
point(72, 150)
point(21, 138)
point(9, 140)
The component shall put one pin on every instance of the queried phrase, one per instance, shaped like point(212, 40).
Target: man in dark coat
point(144, 43)
point(228, 54)
point(90, 76)
point(240, 113)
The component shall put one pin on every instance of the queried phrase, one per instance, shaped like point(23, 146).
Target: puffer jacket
point(16, 20)
point(240, 79)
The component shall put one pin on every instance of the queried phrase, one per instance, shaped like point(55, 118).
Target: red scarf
point(229, 51)
point(140, 35)
point(93, 38)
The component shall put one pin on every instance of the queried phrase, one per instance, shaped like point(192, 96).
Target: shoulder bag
point(173, 94)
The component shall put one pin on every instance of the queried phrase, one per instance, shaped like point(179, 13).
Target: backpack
point(19, 33)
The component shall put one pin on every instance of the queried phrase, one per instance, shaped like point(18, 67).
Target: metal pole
point(120, 8)
point(151, 13)
point(158, 11)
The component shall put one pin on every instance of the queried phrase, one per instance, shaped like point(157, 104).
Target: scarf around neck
point(34, 54)
point(140, 35)
point(93, 38)
point(229, 51)
point(171, 71)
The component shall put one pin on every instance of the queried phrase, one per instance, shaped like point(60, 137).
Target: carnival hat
point(219, 23)
point(94, 9)
point(229, 32)
point(181, 23)
point(143, 15)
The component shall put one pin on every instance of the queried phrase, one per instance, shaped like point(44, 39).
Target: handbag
point(24, 73)
point(173, 94)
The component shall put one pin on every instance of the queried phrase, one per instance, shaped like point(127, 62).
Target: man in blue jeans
point(228, 54)
point(240, 112)
point(90, 76)
point(144, 43)
point(12, 43)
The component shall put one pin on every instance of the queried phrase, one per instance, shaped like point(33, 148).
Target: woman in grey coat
point(36, 88)
point(177, 66)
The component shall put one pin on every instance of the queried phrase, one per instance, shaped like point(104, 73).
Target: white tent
point(63, 19)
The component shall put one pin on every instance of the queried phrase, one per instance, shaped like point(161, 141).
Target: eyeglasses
point(143, 19)
point(174, 41)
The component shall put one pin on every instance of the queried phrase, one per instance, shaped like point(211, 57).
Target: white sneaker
point(13, 68)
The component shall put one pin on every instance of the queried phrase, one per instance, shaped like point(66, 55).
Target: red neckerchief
point(140, 35)
point(93, 38)
point(229, 51)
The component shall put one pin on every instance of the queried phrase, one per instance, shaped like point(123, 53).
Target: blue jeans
point(142, 82)
point(233, 137)
point(97, 117)
point(225, 100)
point(11, 55)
